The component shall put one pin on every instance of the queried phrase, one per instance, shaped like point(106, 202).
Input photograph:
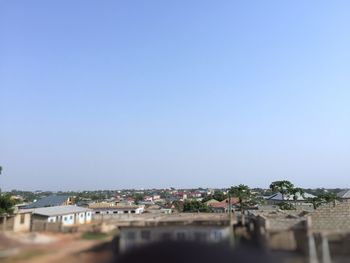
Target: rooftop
point(344, 194)
point(202, 219)
point(52, 200)
point(59, 210)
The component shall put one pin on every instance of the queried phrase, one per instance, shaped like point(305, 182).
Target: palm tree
point(284, 187)
point(297, 191)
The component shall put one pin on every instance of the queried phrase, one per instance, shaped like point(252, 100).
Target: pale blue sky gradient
point(131, 94)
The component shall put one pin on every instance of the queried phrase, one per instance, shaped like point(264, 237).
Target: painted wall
point(68, 220)
point(22, 222)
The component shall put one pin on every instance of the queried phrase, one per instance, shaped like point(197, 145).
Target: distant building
point(157, 209)
point(211, 201)
point(223, 206)
point(18, 222)
point(297, 199)
point(104, 208)
point(67, 215)
point(345, 194)
point(52, 200)
point(206, 227)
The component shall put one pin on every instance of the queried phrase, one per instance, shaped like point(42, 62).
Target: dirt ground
point(43, 248)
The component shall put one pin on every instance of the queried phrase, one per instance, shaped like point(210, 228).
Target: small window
point(97, 212)
point(115, 212)
point(133, 211)
point(22, 218)
point(71, 217)
point(125, 212)
point(81, 215)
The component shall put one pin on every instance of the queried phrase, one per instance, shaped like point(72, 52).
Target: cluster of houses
point(54, 209)
point(61, 209)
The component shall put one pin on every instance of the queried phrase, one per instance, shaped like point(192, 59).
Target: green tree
point(217, 195)
point(195, 206)
point(323, 198)
point(179, 206)
point(296, 192)
point(245, 198)
point(138, 198)
point(283, 187)
point(6, 204)
point(286, 206)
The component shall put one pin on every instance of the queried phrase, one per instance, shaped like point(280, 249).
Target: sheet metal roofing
point(52, 200)
point(344, 194)
point(59, 210)
point(289, 197)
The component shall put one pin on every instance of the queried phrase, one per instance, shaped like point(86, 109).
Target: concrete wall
point(281, 233)
point(332, 217)
point(136, 236)
point(68, 220)
point(16, 223)
point(22, 222)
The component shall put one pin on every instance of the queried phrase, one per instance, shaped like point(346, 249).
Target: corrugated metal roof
point(59, 210)
point(289, 197)
point(52, 200)
point(344, 194)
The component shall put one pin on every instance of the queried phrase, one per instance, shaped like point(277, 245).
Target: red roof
point(224, 203)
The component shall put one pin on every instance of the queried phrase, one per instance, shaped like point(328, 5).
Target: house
point(157, 209)
point(211, 201)
point(148, 199)
point(181, 196)
point(18, 222)
point(224, 206)
point(52, 200)
point(345, 194)
point(67, 215)
point(104, 208)
point(212, 228)
point(156, 197)
point(298, 199)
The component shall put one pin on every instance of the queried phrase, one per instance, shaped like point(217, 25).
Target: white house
point(109, 209)
point(68, 215)
point(298, 199)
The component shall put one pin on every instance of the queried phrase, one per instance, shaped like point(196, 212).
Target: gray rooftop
point(289, 197)
point(52, 200)
point(59, 210)
point(344, 194)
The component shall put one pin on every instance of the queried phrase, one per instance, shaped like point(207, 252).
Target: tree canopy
point(245, 197)
point(195, 206)
point(6, 204)
point(323, 198)
point(284, 187)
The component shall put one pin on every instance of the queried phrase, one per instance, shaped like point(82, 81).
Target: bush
point(286, 206)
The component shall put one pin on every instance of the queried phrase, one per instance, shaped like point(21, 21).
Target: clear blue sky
point(116, 94)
